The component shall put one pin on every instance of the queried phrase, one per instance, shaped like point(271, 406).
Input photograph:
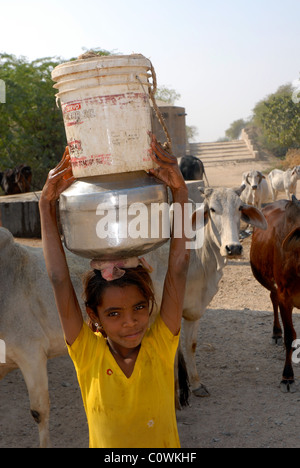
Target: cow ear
point(239, 190)
point(200, 218)
point(251, 215)
point(207, 192)
point(292, 241)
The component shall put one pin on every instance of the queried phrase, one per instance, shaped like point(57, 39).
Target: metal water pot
point(115, 216)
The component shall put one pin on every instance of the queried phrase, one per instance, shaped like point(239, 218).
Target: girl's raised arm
point(59, 179)
point(179, 256)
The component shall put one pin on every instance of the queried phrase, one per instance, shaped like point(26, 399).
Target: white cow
point(29, 323)
point(257, 190)
point(223, 213)
point(285, 182)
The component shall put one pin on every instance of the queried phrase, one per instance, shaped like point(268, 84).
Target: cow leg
point(273, 192)
point(274, 195)
point(191, 333)
point(277, 330)
point(36, 378)
point(288, 383)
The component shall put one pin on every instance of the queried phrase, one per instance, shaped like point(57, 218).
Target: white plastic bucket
point(107, 115)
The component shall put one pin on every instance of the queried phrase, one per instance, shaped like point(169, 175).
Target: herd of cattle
point(29, 323)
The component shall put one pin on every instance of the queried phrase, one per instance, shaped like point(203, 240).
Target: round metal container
point(115, 216)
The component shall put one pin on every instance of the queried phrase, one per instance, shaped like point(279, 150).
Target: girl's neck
point(125, 358)
point(124, 353)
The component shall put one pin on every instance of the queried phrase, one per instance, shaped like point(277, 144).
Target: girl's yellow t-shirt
point(134, 412)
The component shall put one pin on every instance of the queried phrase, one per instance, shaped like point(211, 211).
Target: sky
point(221, 56)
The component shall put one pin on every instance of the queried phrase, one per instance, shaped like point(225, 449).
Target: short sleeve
point(164, 340)
point(84, 349)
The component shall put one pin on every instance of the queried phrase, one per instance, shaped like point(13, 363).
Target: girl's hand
point(168, 171)
point(59, 179)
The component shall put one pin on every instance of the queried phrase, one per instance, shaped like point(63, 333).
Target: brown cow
point(275, 262)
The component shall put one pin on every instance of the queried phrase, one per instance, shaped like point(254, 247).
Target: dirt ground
point(235, 359)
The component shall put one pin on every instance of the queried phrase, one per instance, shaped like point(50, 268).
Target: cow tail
point(183, 380)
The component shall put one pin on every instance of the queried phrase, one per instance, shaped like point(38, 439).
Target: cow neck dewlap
point(211, 250)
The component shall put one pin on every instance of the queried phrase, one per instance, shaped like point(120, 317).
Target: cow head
point(296, 171)
point(223, 211)
point(254, 178)
point(23, 177)
point(191, 168)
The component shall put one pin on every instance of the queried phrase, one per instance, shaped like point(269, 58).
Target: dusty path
point(236, 361)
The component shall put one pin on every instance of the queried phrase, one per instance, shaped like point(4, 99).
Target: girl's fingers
point(59, 175)
point(154, 172)
point(159, 161)
point(162, 154)
point(69, 181)
point(64, 160)
point(69, 174)
point(167, 163)
point(66, 153)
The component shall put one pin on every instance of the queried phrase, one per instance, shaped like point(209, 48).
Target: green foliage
point(275, 124)
point(234, 131)
point(279, 118)
point(167, 95)
point(191, 132)
point(31, 125)
point(98, 51)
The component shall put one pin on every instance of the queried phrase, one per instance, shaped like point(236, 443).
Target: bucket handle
point(152, 90)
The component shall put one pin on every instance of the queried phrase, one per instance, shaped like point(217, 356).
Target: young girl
point(125, 372)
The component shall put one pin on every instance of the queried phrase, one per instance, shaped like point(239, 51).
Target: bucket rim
point(108, 61)
point(76, 90)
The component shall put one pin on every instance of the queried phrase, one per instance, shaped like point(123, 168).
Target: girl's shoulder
point(87, 345)
point(159, 327)
point(160, 337)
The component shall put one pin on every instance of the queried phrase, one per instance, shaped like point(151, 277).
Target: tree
point(191, 132)
point(167, 95)
point(278, 116)
point(234, 131)
point(31, 125)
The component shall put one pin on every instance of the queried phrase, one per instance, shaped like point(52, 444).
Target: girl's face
point(124, 316)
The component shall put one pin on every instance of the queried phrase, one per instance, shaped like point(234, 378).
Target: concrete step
point(223, 144)
point(221, 152)
point(217, 153)
point(220, 162)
